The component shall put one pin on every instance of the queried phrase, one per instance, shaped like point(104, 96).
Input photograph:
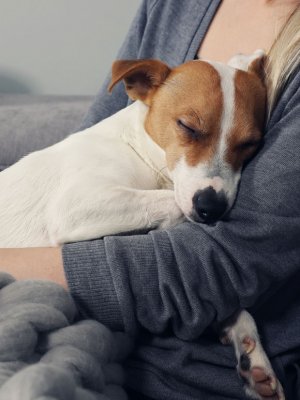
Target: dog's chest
point(148, 157)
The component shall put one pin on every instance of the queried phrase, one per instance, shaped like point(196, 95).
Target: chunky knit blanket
point(46, 353)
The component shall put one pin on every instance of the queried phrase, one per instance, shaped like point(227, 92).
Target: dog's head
point(208, 117)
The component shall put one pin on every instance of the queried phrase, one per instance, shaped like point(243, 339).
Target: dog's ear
point(257, 66)
point(141, 77)
point(253, 63)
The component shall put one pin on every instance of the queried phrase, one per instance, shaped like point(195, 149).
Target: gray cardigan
point(170, 286)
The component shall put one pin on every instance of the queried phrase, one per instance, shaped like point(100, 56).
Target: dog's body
point(191, 127)
point(106, 180)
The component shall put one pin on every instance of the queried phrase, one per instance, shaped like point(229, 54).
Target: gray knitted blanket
point(46, 355)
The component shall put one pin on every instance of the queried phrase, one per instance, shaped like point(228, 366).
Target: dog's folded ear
point(253, 63)
point(141, 77)
point(257, 66)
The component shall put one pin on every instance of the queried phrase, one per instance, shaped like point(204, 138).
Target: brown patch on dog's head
point(250, 104)
point(185, 117)
point(257, 67)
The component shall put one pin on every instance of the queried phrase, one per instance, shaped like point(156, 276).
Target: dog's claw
point(273, 383)
point(248, 344)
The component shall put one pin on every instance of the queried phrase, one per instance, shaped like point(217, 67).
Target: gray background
point(60, 46)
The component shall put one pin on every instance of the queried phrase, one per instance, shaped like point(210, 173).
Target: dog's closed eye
point(189, 130)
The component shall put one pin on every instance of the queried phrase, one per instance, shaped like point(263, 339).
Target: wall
point(60, 46)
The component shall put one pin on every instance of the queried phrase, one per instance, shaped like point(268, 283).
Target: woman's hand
point(34, 263)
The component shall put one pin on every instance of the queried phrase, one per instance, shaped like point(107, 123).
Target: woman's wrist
point(34, 263)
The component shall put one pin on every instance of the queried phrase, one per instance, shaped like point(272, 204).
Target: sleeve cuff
point(90, 282)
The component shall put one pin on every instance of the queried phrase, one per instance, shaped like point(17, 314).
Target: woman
point(169, 287)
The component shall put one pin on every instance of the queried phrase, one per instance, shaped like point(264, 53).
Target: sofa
point(30, 122)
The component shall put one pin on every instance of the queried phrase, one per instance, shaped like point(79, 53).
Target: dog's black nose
point(209, 205)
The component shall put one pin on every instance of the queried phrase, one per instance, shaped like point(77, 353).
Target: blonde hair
point(283, 58)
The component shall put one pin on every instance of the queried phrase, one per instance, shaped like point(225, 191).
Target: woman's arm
point(34, 263)
point(192, 275)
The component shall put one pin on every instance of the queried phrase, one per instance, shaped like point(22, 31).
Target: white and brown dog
point(175, 153)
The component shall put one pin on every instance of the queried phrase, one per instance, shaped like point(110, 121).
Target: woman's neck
point(244, 26)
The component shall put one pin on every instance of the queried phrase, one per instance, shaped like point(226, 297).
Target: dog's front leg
point(150, 209)
point(253, 364)
point(76, 216)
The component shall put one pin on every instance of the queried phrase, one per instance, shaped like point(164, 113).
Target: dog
point(175, 154)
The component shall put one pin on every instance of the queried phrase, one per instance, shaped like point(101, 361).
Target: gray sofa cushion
point(29, 123)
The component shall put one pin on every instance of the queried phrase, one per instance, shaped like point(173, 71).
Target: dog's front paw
point(169, 212)
point(257, 373)
point(173, 218)
point(254, 367)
